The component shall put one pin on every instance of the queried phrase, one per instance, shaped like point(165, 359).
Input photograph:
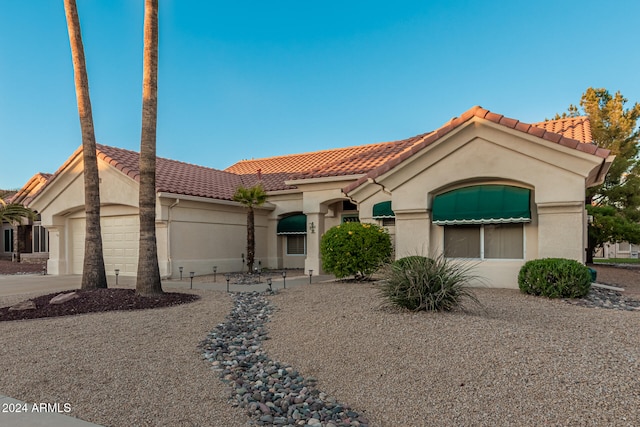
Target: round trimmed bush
point(555, 278)
point(355, 249)
point(420, 283)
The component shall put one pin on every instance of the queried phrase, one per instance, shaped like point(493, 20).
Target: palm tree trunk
point(251, 239)
point(148, 280)
point(93, 272)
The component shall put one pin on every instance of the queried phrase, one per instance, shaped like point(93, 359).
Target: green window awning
point(482, 204)
point(383, 210)
point(294, 224)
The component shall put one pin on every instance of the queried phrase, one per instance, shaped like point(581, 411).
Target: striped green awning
point(482, 204)
point(294, 224)
point(383, 210)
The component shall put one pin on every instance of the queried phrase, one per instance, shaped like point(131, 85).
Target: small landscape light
point(191, 274)
point(117, 273)
point(310, 274)
point(284, 279)
point(180, 268)
point(215, 270)
point(227, 276)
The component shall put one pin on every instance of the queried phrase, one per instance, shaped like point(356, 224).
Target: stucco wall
point(480, 153)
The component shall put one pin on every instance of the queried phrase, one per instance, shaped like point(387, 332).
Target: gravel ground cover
point(133, 368)
point(522, 361)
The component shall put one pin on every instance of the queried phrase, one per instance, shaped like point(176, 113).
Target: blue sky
point(249, 79)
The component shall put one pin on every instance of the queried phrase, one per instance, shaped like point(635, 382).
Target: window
point(40, 239)
point(388, 222)
point(488, 241)
point(296, 244)
point(8, 239)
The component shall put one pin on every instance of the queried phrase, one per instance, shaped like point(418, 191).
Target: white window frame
point(482, 257)
point(39, 229)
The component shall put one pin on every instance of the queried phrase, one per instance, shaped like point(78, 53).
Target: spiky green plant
point(432, 284)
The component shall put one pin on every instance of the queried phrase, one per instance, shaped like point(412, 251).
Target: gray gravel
point(137, 368)
point(523, 361)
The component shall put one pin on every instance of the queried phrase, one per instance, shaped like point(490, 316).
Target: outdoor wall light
point(312, 227)
point(227, 276)
point(117, 273)
point(269, 284)
point(310, 274)
point(284, 280)
point(191, 274)
point(180, 268)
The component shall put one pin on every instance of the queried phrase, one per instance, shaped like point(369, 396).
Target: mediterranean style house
point(482, 187)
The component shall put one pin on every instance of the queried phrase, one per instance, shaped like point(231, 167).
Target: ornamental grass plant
point(432, 284)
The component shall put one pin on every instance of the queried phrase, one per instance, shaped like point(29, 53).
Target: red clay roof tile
point(574, 132)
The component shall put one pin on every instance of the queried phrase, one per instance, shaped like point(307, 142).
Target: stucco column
point(274, 250)
point(413, 234)
point(314, 233)
point(56, 264)
point(561, 230)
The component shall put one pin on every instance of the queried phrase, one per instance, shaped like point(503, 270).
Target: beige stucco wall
point(484, 153)
point(202, 234)
point(195, 233)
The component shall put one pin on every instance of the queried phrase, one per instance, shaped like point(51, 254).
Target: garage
point(120, 235)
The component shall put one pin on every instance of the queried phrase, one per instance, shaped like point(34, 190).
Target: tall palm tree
point(148, 280)
point(250, 197)
point(93, 272)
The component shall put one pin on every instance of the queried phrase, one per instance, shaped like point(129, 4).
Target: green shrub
point(555, 278)
point(421, 283)
point(354, 249)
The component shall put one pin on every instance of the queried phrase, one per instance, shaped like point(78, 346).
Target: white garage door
point(120, 235)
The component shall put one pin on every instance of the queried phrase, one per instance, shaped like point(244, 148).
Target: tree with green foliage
point(250, 197)
point(13, 213)
point(615, 204)
point(355, 249)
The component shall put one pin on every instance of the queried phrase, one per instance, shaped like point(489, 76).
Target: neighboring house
point(27, 241)
point(483, 186)
point(618, 250)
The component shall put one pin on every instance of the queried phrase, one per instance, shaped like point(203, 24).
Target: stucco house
point(483, 186)
point(27, 241)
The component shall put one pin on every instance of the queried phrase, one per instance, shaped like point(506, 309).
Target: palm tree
point(250, 197)
point(148, 280)
point(14, 213)
point(93, 273)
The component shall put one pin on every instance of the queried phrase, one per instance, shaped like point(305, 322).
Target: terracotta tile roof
point(363, 161)
point(373, 159)
point(577, 128)
point(541, 131)
point(175, 177)
point(30, 189)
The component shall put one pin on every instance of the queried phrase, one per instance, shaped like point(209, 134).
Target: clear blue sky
point(244, 79)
